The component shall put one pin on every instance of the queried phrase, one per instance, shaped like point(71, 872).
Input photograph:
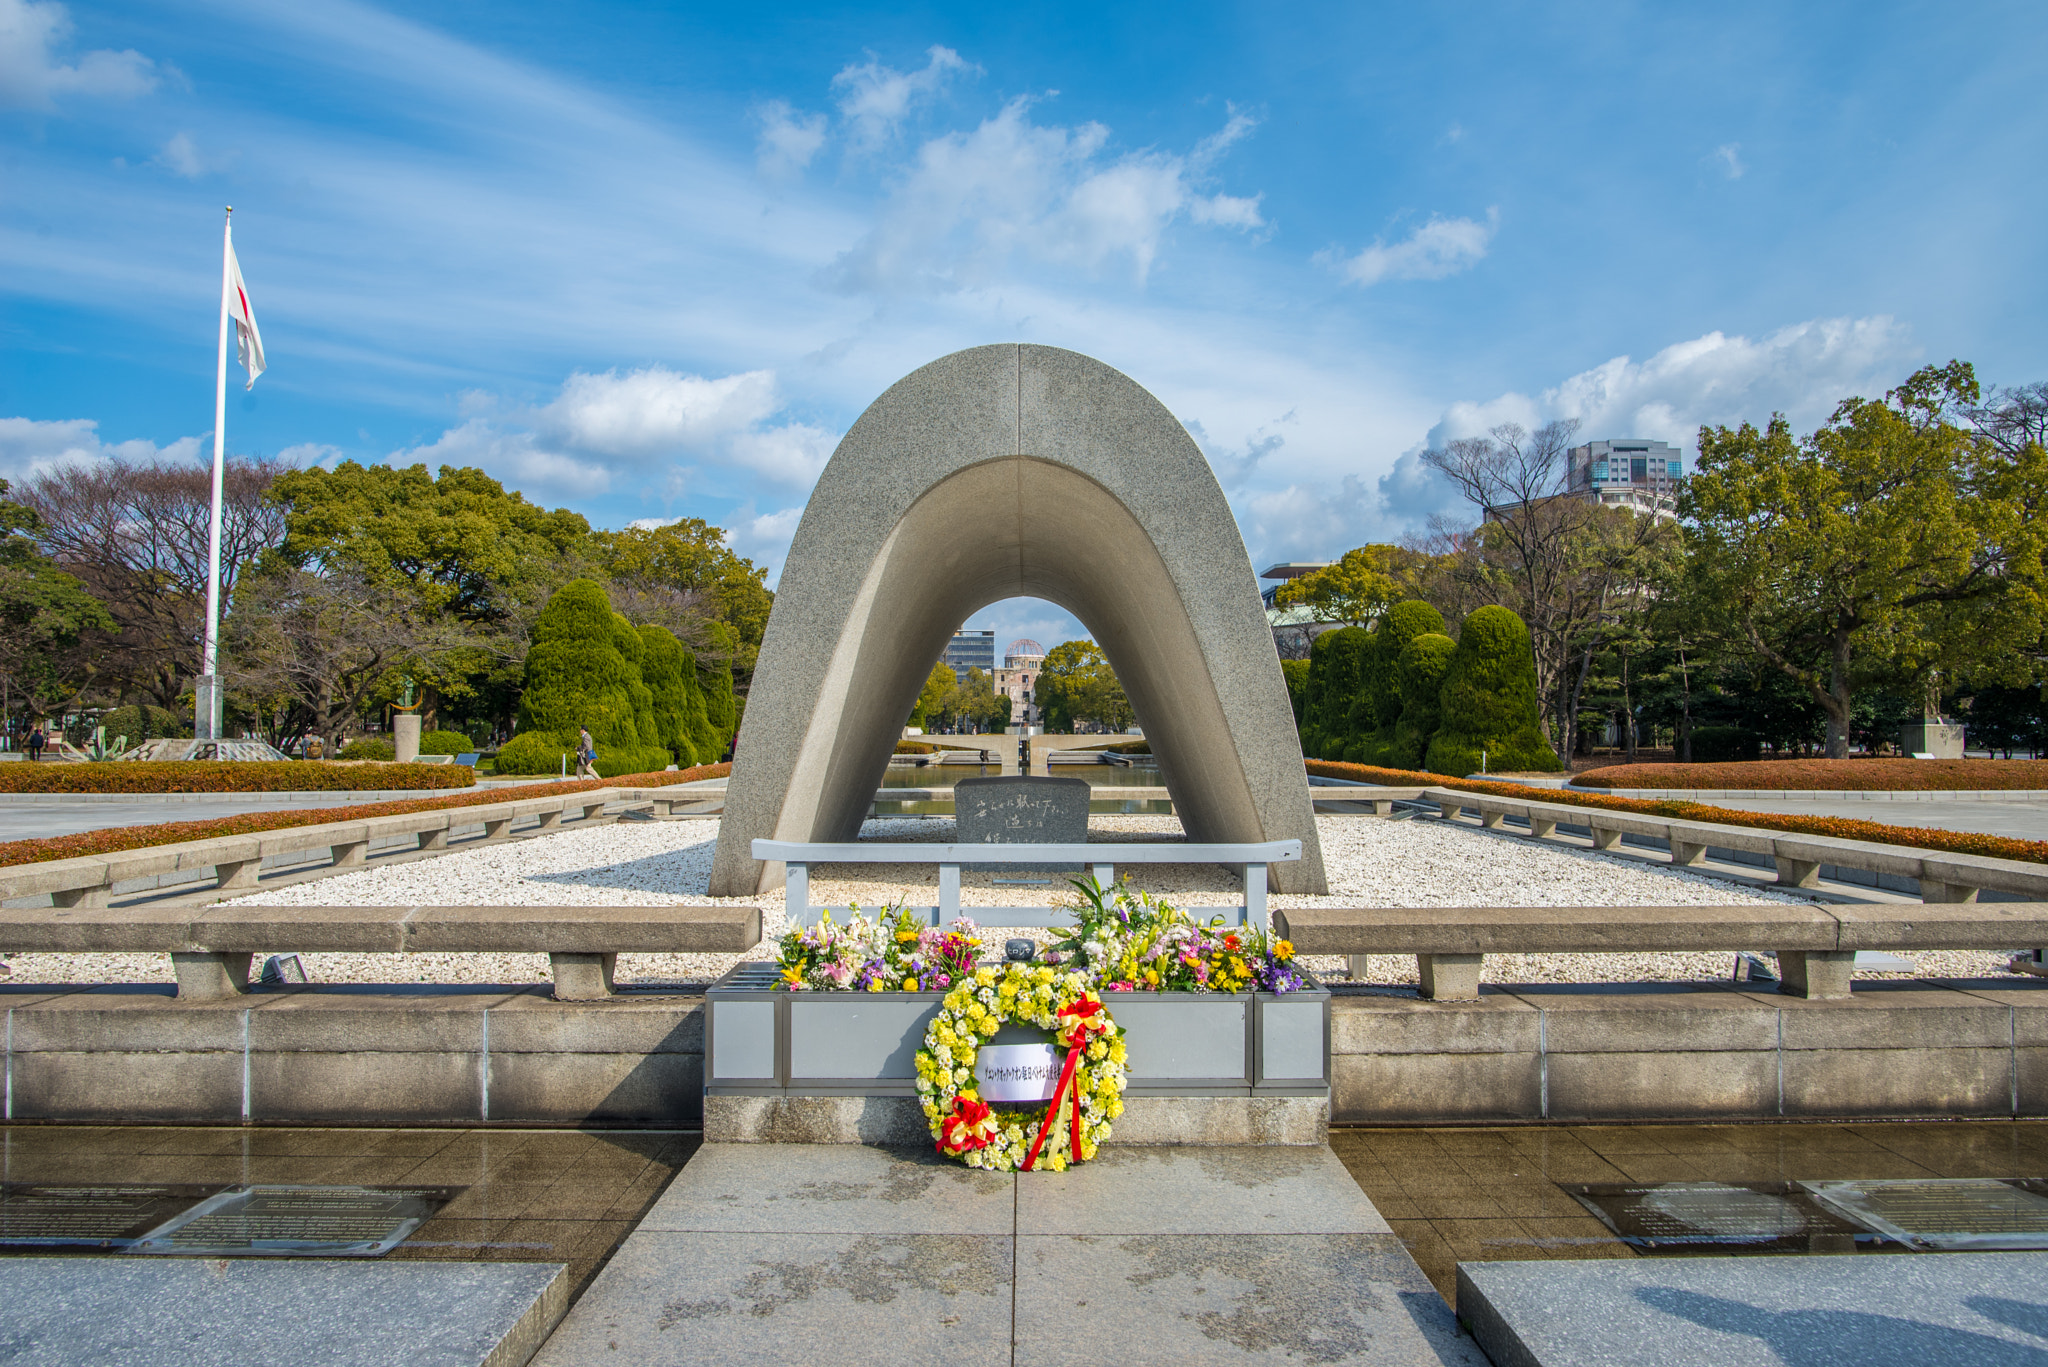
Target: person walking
point(36, 741)
point(586, 755)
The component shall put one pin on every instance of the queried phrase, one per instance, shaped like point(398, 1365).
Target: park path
point(796, 1253)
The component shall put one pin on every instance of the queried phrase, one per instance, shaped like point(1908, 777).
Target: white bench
point(1101, 860)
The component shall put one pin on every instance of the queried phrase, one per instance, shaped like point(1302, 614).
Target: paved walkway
point(785, 1253)
point(2019, 820)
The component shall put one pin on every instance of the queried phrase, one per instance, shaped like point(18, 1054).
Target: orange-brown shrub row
point(116, 839)
point(1844, 775)
point(215, 776)
point(1841, 828)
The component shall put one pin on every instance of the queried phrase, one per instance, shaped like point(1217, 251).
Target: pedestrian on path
point(36, 741)
point(586, 755)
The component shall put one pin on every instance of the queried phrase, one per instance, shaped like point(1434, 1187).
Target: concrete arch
point(999, 472)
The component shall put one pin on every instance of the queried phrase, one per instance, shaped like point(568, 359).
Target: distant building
point(1022, 661)
point(1628, 472)
point(1294, 627)
point(971, 650)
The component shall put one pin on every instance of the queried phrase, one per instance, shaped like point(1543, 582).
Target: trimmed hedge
point(115, 839)
point(1489, 713)
point(1831, 775)
point(368, 747)
point(1420, 674)
point(1388, 697)
point(583, 670)
point(1841, 828)
point(445, 743)
point(916, 747)
point(226, 776)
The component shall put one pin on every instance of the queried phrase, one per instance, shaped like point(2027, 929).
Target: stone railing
point(1101, 860)
point(1798, 859)
point(237, 860)
point(211, 947)
point(1816, 945)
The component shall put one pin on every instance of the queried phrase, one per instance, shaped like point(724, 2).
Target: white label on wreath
point(1016, 1072)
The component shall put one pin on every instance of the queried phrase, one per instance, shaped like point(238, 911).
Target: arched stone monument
point(1000, 472)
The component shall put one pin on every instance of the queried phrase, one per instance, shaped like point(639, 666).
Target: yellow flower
point(875, 985)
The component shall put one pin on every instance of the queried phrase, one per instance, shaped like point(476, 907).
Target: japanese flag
point(248, 341)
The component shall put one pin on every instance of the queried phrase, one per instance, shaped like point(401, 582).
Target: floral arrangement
point(1089, 1095)
point(1133, 942)
point(895, 952)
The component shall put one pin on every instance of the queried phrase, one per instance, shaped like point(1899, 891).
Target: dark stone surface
point(1957, 1309)
point(1021, 811)
point(194, 1312)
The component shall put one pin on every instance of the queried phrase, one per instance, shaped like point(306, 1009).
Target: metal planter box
point(761, 1042)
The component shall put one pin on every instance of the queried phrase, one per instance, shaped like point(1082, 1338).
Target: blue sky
point(652, 260)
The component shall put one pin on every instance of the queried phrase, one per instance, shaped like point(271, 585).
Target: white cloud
point(29, 447)
point(1313, 521)
point(1728, 156)
point(30, 75)
point(1440, 247)
point(970, 201)
point(788, 139)
point(874, 99)
point(1801, 371)
point(181, 156)
point(763, 537)
point(516, 458)
point(655, 411)
point(310, 453)
point(602, 429)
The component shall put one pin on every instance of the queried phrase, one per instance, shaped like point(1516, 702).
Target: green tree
point(714, 678)
point(1076, 684)
point(931, 699)
point(1421, 668)
point(1336, 676)
point(661, 668)
point(581, 673)
point(1296, 674)
point(1381, 683)
point(690, 558)
point(1490, 717)
point(1358, 587)
point(1893, 541)
point(43, 613)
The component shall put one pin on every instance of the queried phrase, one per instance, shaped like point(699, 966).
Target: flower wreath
point(1090, 1091)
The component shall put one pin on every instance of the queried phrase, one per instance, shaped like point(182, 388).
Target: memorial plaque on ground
point(1022, 811)
point(43, 1215)
point(1947, 1213)
point(1721, 1217)
point(281, 1221)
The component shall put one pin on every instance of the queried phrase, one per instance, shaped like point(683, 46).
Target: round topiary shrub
point(1381, 683)
point(1489, 702)
point(368, 747)
point(444, 743)
point(1419, 675)
point(661, 667)
point(583, 671)
point(1335, 666)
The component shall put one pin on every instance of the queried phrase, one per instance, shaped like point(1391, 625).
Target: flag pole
point(206, 695)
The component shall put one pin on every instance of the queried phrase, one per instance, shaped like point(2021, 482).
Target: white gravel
point(1370, 861)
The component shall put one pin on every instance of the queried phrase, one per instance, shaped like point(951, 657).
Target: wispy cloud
point(1439, 248)
point(29, 447)
point(1728, 157)
point(971, 203)
point(1801, 371)
point(789, 139)
point(614, 432)
point(32, 76)
point(874, 100)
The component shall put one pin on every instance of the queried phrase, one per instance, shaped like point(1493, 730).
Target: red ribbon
point(1081, 1022)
